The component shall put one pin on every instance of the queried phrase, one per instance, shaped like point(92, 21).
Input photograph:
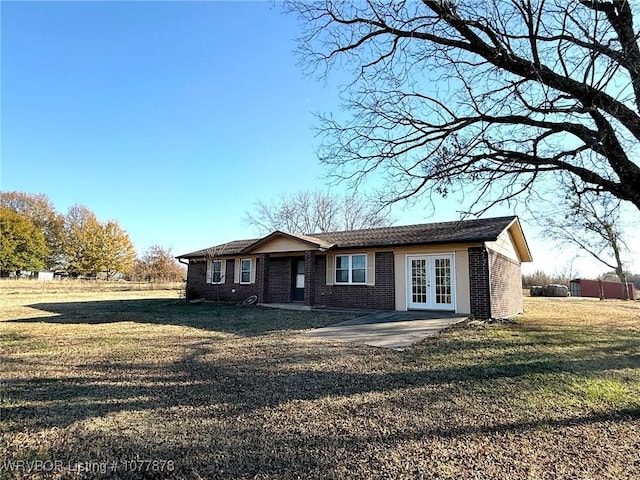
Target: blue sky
point(171, 117)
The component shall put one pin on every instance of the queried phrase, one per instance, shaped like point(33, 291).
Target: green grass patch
point(11, 338)
point(614, 392)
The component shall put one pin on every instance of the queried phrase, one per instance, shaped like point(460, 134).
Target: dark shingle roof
point(482, 230)
point(463, 231)
point(231, 248)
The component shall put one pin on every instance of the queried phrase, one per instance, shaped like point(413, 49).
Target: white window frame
point(250, 271)
point(350, 269)
point(210, 268)
point(213, 272)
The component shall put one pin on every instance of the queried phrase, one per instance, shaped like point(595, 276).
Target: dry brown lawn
point(583, 312)
point(142, 385)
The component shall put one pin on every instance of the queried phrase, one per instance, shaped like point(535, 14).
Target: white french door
point(430, 284)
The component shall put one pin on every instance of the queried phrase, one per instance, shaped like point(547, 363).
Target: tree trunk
point(600, 289)
point(623, 279)
point(619, 267)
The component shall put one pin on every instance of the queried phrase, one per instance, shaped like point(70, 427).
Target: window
point(351, 268)
point(342, 269)
point(216, 271)
point(245, 271)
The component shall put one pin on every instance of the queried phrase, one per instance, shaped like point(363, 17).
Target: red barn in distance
point(581, 287)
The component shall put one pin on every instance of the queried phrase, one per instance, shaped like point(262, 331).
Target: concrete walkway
point(395, 330)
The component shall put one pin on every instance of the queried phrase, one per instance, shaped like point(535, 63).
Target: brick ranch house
point(467, 267)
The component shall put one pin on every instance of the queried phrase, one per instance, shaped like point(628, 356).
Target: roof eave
point(319, 245)
point(520, 240)
point(415, 244)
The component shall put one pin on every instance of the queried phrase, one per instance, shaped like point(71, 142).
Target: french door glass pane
point(442, 268)
point(419, 281)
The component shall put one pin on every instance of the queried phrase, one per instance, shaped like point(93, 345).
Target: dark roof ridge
point(417, 225)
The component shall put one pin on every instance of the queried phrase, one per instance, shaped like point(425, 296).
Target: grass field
point(104, 384)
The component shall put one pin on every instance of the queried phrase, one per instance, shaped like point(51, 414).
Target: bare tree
point(480, 97)
point(592, 223)
point(316, 211)
point(157, 264)
point(566, 272)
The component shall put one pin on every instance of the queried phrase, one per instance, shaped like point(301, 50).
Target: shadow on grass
point(240, 388)
point(208, 408)
point(246, 321)
point(246, 450)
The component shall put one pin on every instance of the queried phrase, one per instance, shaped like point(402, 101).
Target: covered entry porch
point(287, 279)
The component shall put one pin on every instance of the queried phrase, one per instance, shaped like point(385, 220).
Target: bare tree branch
point(592, 223)
point(315, 211)
point(453, 97)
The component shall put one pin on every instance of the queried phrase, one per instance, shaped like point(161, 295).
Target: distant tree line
point(35, 237)
point(540, 277)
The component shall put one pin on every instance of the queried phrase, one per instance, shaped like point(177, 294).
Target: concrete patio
point(394, 330)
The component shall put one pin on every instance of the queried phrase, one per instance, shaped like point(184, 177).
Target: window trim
point(350, 268)
point(250, 271)
point(213, 272)
point(210, 271)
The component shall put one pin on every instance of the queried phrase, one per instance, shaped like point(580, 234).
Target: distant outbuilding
point(581, 287)
point(43, 276)
point(551, 290)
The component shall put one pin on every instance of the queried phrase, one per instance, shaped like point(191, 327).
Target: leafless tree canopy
point(489, 96)
point(593, 224)
point(158, 264)
point(316, 211)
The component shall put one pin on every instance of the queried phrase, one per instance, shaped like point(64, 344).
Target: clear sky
point(171, 117)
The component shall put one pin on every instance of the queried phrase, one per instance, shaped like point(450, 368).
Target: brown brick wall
point(280, 279)
point(479, 286)
point(311, 278)
point(380, 296)
point(196, 277)
point(226, 292)
point(506, 286)
point(262, 278)
point(277, 289)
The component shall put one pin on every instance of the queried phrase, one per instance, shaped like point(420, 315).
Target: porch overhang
point(283, 242)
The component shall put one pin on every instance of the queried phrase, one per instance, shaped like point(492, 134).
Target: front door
point(430, 284)
point(298, 280)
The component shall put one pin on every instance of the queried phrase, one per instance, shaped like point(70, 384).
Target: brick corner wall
point(506, 286)
point(479, 283)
